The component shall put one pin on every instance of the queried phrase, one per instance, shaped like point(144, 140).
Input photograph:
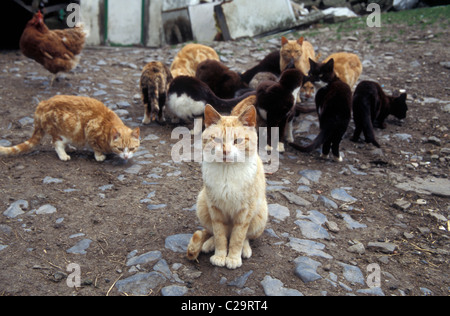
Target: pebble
point(306, 269)
point(174, 290)
point(144, 258)
point(80, 248)
point(352, 274)
point(384, 247)
point(178, 243)
point(274, 287)
point(278, 211)
point(311, 175)
point(342, 195)
point(16, 209)
point(141, 284)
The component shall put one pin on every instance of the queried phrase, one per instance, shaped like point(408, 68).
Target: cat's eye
point(132, 149)
point(218, 140)
point(120, 149)
point(238, 141)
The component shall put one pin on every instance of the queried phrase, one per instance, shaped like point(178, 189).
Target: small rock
point(352, 274)
point(145, 258)
point(295, 199)
point(274, 287)
point(278, 211)
point(174, 290)
point(332, 227)
point(342, 195)
point(306, 269)
point(240, 281)
point(46, 209)
point(178, 243)
point(16, 209)
point(141, 283)
point(312, 230)
point(50, 180)
point(80, 248)
point(357, 248)
point(384, 247)
point(311, 175)
point(402, 205)
point(434, 140)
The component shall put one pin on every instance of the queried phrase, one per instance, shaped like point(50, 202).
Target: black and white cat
point(333, 105)
point(371, 106)
point(187, 97)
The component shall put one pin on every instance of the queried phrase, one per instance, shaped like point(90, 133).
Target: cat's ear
point(115, 133)
point(211, 116)
point(402, 97)
point(300, 40)
point(136, 133)
point(284, 41)
point(248, 117)
point(330, 63)
point(312, 63)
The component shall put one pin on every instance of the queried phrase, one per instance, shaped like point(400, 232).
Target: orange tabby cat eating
point(79, 121)
point(188, 58)
point(347, 66)
point(232, 205)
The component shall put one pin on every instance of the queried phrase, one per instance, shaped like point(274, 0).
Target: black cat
point(371, 106)
point(333, 104)
point(271, 63)
point(274, 101)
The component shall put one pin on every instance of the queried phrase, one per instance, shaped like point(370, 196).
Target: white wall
point(90, 16)
point(124, 22)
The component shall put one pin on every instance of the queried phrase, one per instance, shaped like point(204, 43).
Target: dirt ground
point(117, 222)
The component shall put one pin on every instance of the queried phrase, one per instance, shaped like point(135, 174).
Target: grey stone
point(430, 185)
point(308, 247)
point(80, 248)
point(327, 202)
point(50, 180)
point(46, 209)
point(351, 223)
point(16, 209)
point(384, 247)
point(357, 248)
point(312, 230)
point(352, 274)
point(377, 291)
point(135, 169)
point(342, 195)
point(274, 287)
point(295, 199)
point(241, 280)
point(178, 243)
point(278, 211)
point(174, 290)
point(306, 269)
point(3, 247)
point(144, 258)
point(311, 175)
point(141, 283)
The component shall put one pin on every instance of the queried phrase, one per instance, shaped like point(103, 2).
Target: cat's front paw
point(65, 157)
point(233, 263)
point(100, 157)
point(218, 261)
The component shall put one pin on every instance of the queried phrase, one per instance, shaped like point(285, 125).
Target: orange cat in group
point(79, 121)
point(347, 66)
point(188, 58)
point(298, 53)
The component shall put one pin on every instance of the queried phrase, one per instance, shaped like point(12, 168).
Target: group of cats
point(232, 205)
point(197, 78)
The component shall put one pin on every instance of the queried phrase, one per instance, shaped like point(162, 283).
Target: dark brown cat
point(222, 81)
point(333, 104)
point(371, 106)
point(275, 100)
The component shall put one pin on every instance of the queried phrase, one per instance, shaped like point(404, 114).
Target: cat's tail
point(319, 140)
point(25, 147)
point(226, 105)
point(196, 243)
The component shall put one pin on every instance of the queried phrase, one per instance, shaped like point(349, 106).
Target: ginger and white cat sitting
point(232, 205)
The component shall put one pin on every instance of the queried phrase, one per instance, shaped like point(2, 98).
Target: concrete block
point(242, 18)
point(203, 24)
